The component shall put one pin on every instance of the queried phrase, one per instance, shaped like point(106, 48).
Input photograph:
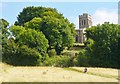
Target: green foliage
point(52, 61)
point(28, 13)
point(3, 35)
point(4, 31)
point(31, 38)
point(65, 61)
point(51, 52)
point(57, 29)
point(35, 23)
point(103, 47)
point(78, 45)
point(21, 55)
point(3, 23)
point(59, 61)
point(82, 58)
point(69, 53)
point(59, 35)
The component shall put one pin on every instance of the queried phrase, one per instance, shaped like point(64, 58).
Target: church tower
point(85, 21)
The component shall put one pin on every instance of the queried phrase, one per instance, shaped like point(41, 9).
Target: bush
point(21, 56)
point(51, 61)
point(82, 58)
point(68, 53)
point(52, 52)
point(59, 61)
point(65, 61)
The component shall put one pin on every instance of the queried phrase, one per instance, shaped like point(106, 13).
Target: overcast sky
point(100, 11)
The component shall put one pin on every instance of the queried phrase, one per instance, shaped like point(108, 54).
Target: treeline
point(40, 35)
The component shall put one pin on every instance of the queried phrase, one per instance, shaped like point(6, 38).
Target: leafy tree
point(31, 38)
point(29, 13)
point(28, 47)
point(57, 29)
point(104, 47)
point(59, 32)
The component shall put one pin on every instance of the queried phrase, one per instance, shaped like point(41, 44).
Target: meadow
point(56, 74)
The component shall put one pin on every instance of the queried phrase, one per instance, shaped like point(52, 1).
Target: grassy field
point(56, 74)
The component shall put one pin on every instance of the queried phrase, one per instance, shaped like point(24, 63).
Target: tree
point(28, 47)
point(29, 13)
point(57, 29)
point(31, 38)
point(59, 32)
point(104, 48)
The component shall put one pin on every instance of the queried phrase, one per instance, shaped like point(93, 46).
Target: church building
point(85, 21)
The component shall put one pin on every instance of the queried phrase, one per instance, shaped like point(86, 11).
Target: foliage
point(78, 45)
point(65, 61)
point(52, 52)
point(52, 61)
point(103, 47)
point(59, 61)
point(4, 31)
point(31, 38)
point(58, 34)
point(3, 35)
point(69, 53)
point(28, 13)
point(21, 55)
point(57, 29)
point(82, 58)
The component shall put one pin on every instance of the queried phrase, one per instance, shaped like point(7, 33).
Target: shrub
point(65, 61)
point(51, 61)
point(59, 61)
point(82, 58)
point(52, 52)
point(21, 56)
point(68, 53)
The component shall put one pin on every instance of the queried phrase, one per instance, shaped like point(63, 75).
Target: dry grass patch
point(48, 74)
point(103, 72)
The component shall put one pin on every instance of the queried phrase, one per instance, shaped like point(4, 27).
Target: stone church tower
point(85, 21)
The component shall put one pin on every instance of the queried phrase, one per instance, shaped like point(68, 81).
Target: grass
point(50, 74)
point(91, 73)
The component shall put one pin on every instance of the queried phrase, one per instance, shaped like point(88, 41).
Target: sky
point(100, 11)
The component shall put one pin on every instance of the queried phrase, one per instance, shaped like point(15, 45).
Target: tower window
point(84, 22)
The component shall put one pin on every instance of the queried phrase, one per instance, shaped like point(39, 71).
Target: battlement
point(85, 15)
point(85, 21)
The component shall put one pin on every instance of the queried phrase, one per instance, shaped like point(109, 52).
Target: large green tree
point(30, 37)
point(59, 32)
point(104, 44)
point(28, 13)
point(56, 28)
